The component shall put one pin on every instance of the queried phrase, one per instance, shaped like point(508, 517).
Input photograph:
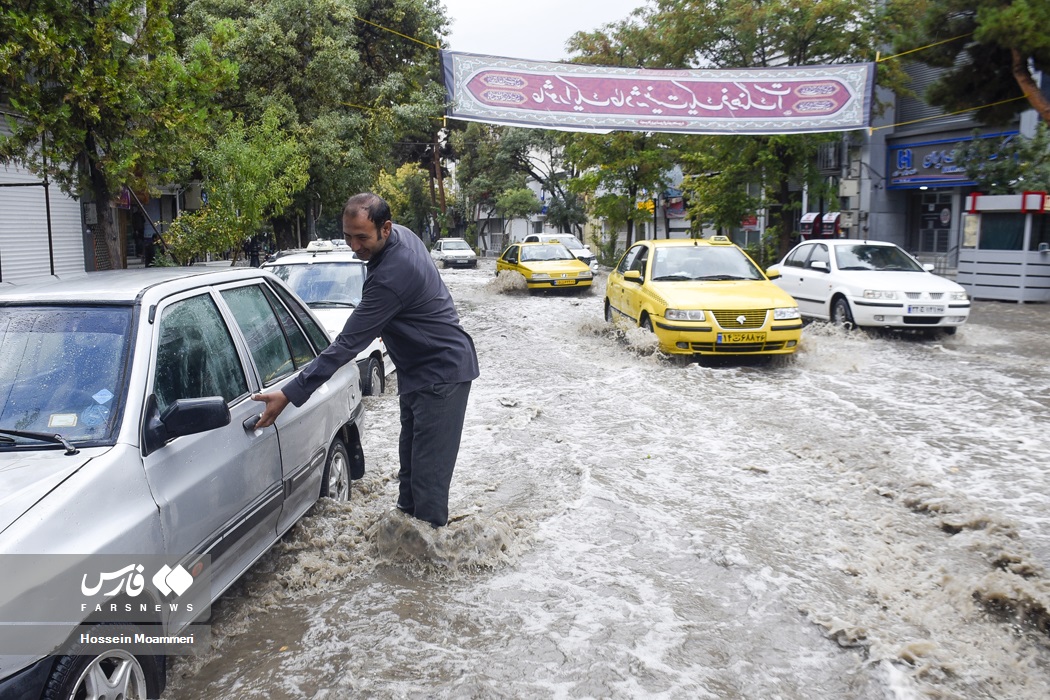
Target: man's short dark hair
point(374, 207)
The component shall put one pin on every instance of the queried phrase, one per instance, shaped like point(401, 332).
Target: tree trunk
point(1031, 91)
point(311, 218)
point(107, 226)
point(440, 177)
point(787, 220)
point(632, 204)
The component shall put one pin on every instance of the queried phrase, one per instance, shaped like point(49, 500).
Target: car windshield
point(570, 242)
point(61, 372)
point(325, 283)
point(684, 263)
point(875, 257)
point(455, 245)
point(550, 251)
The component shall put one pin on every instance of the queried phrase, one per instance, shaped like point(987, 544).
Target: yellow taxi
point(545, 266)
point(702, 297)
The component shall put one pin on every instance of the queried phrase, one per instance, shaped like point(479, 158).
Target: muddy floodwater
point(869, 518)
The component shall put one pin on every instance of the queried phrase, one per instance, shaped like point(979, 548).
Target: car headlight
point(879, 294)
point(685, 315)
point(540, 276)
point(959, 296)
point(786, 313)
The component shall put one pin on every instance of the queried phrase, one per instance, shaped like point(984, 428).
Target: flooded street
point(867, 519)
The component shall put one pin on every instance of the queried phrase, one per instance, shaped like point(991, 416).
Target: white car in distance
point(453, 252)
point(331, 281)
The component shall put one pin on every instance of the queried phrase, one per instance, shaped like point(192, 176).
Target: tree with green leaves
point(516, 204)
point(353, 77)
point(989, 50)
point(483, 173)
point(250, 174)
point(617, 169)
point(407, 194)
point(103, 98)
point(1008, 165)
point(540, 155)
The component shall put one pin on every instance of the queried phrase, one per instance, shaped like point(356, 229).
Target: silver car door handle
point(250, 422)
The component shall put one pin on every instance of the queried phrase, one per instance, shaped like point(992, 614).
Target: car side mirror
point(929, 267)
point(632, 276)
point(773, 273)
point(184, 417)
point(820, 265)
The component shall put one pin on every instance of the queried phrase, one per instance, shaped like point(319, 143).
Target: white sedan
point(331, 280)
point(871, 284)
point(453, 252)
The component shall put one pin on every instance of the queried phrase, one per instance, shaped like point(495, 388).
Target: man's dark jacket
point(407, 303)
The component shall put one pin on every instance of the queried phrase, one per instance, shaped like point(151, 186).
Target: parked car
point(568, 240)
point(545, 266)
point(127, 432)
point(453, 252)
point(702, 297)
point(869, 284)
point(331, 281)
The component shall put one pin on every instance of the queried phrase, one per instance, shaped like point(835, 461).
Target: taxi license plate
point(564, 281)
point(729, 338)
point(926, 309)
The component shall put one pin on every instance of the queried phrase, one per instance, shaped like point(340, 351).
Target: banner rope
point(921, 48)
point(949, 114)
point(392, 31)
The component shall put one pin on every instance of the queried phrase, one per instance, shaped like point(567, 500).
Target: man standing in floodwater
point(407, 303)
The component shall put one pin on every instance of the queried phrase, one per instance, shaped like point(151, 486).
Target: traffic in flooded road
point(868, 518)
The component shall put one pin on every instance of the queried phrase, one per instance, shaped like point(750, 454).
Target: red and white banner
point(573, 97)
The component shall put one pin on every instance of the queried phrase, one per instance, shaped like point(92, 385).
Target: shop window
point(1040, 230)
point(1002, 231)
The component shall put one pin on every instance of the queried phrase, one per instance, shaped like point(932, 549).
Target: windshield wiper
point(661, 278)
point(43, 437)
point(723, 277)
point(329, 302)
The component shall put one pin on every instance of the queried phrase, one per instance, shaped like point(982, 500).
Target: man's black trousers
point(431, 427)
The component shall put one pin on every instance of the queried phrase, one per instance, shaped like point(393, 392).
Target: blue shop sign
point(930, 163)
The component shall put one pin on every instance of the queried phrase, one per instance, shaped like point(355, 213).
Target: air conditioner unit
point(849, 188)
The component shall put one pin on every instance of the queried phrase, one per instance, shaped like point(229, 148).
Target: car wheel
point(840, 313)
point(335, 483)
point(115, 673)
point(645, 323)
point(608, 312)
point(950, 330)
point(372, 377)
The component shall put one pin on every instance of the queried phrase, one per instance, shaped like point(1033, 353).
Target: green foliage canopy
point(351, 87)
point(250, 174)
point(1008, 166)
point(103, 97)
point(985, 48)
